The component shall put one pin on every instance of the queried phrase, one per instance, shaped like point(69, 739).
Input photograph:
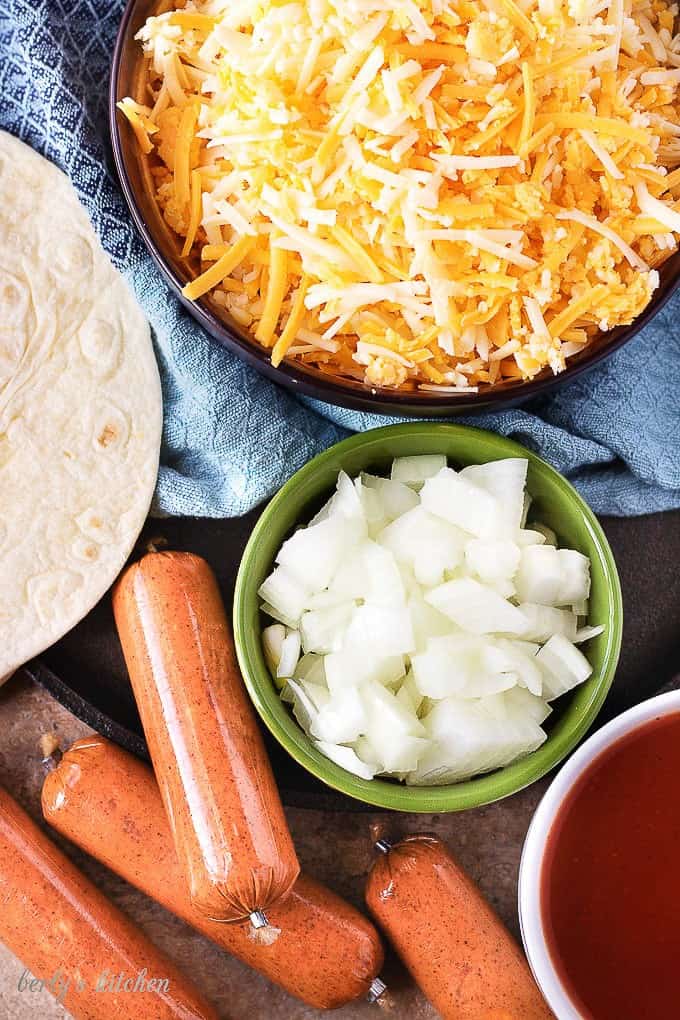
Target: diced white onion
point(414, 471)
point(285, 593)
point(587, 634)
point(544, 621)
point(436, 626)
point(563, 665)
point(290, 653)
point(459, 501)
point(346, 758)
point(539, 577)
point(272, 643)
point(476, 608)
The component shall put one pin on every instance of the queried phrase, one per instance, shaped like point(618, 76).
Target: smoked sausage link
point(318, 947)
point(215, 779)
point(68, 935)
point(455, 947)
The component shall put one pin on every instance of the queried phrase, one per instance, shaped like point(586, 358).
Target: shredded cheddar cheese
point(436, 194)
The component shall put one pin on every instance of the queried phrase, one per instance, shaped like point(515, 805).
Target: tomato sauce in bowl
point(610, 879)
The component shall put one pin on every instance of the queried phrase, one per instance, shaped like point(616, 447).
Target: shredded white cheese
point(410, 190)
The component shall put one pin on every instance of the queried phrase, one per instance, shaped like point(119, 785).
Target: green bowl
point(555, 503)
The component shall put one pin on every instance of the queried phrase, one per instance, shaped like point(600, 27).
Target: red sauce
point(610, 882)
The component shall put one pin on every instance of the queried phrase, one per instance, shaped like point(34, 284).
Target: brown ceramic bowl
point(127, 79)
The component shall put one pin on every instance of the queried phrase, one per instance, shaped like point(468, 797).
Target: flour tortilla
point(80, 410)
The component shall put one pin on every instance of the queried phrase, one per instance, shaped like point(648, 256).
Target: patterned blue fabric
point(231, 437)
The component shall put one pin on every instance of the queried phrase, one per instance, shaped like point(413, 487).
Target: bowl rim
point(533, 851)
point(469, 793)
point(335, 391)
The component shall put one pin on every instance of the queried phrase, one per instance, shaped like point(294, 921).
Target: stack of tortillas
point(80, 410)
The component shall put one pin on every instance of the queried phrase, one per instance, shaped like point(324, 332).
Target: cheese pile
point(422, 194)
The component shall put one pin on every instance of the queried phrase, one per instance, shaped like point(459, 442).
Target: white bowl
point(530, 916)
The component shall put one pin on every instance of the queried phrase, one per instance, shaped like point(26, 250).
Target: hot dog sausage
point(217, 785)
point(322, 950)
point(68, 935)
point(455, 947)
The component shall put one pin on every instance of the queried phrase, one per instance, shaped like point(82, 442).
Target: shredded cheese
point(418, 195)
point(651, 206)
point(185, 137)
point(195, 214)
point(141, 119)
point(529, 111)
point(277, 284)
point(601, 228)
point(602, 154)
point(219, 270)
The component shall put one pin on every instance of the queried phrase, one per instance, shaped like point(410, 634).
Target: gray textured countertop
point(333, 846)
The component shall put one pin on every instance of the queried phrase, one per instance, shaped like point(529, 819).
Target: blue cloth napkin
point(231, 438)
